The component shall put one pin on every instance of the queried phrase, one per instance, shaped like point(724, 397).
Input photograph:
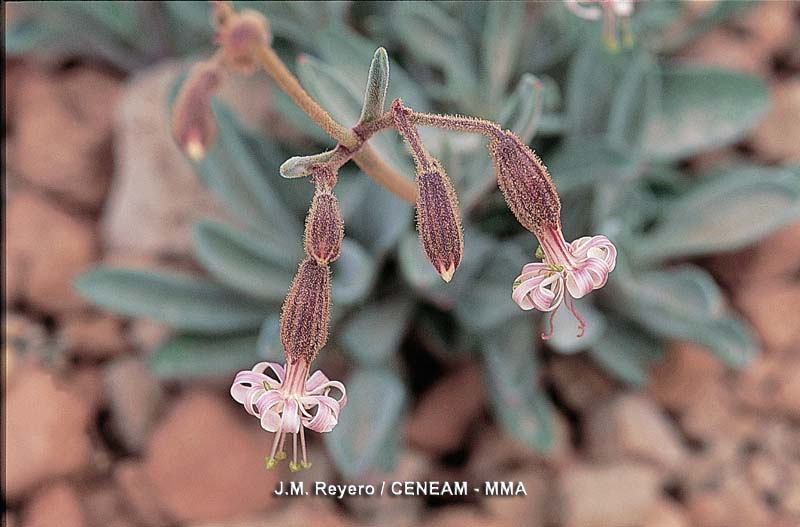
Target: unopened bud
point(306, 312)
point(324, 228)
point(438, 221)
point(525, 183)
point(193, 124)
point(240, 37)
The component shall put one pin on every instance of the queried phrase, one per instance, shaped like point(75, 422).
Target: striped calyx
point(324, 227)
point(438, 218)
point(306, 312)
point(525, 183)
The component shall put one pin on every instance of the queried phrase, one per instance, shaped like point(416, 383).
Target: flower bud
point(324, 228)
point(438, 221)
point(525, 183)
point(240, 37)
point(306, 312)
point(193, 124)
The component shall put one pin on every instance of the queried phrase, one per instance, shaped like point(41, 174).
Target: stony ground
point(92, 439)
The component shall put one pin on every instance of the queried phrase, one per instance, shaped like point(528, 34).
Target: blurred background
point(138, 283)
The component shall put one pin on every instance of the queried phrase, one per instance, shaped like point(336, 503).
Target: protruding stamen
point(578, 317)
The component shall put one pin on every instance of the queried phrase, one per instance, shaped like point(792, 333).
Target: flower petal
point(290, 422)
point(316, 380)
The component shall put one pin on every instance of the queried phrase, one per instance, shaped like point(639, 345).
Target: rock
point(770, 27)
point(105, 506)
point(155, 194)
point(462, 516)
point(494, 453)
point(439, 423)
point(666, 514)
point(724, 48)
point(92, 336)
point(709, 418)
point(775, 137)
point(145, 335)
point(46, 432)
point(775, 258)
point(778, 328)
point(57, 504)
point(396, 511)
point(205, 464)
point(138, 493)
point(619, 495)
point(733, 503)
point(681, 377)
point(86, 381)
point(24, 341)
point(62, 133)
point(772, 384)
point(46, 250)
point(304, 512)
point(580, 384)
point(135, 398)
point(533, 507)
point(630, 426)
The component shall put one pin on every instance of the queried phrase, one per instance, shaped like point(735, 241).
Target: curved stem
point(365, 158)
point(287, 82)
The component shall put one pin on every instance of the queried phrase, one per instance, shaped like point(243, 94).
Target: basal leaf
point(728, 210)
point(518, 403)
point(186, 303)
point(192, 357)
point(701, 108)
point(245, 262)
point(374, 332)
point(626, 352)
point(368, 425)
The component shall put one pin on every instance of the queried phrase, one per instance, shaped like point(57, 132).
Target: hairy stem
point(365, 157)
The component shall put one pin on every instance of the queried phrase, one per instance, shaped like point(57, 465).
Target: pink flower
point(287, 401)
point(577, 268)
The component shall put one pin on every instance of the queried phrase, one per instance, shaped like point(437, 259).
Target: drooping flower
point(609, 11)
point(287, 401)
point(239, 36)
point(568, 270)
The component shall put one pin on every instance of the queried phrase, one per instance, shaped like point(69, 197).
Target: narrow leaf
point(192, 357)
point(377, 87)
point(184, 302)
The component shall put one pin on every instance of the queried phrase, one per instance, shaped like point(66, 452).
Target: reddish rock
point(57, 504)
point(579, 383)
point(92, 335)
point(768, 307)
point(775, 139)
point(155, 194)
point(724, 48)
point(46, 432)
point(463, 516)
point(732, 503)
point(632, 427)
point(138, 493)
point(206, 464)
point(666, 514)
point(46, 249)
point(619, 495)
point(135, 398)
point(105, 506)
point(772, 384)
point(775, 258)
point(769, 27)
point(533, 507)
point(62, 133)
point(680, 378)
point(440, 421)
